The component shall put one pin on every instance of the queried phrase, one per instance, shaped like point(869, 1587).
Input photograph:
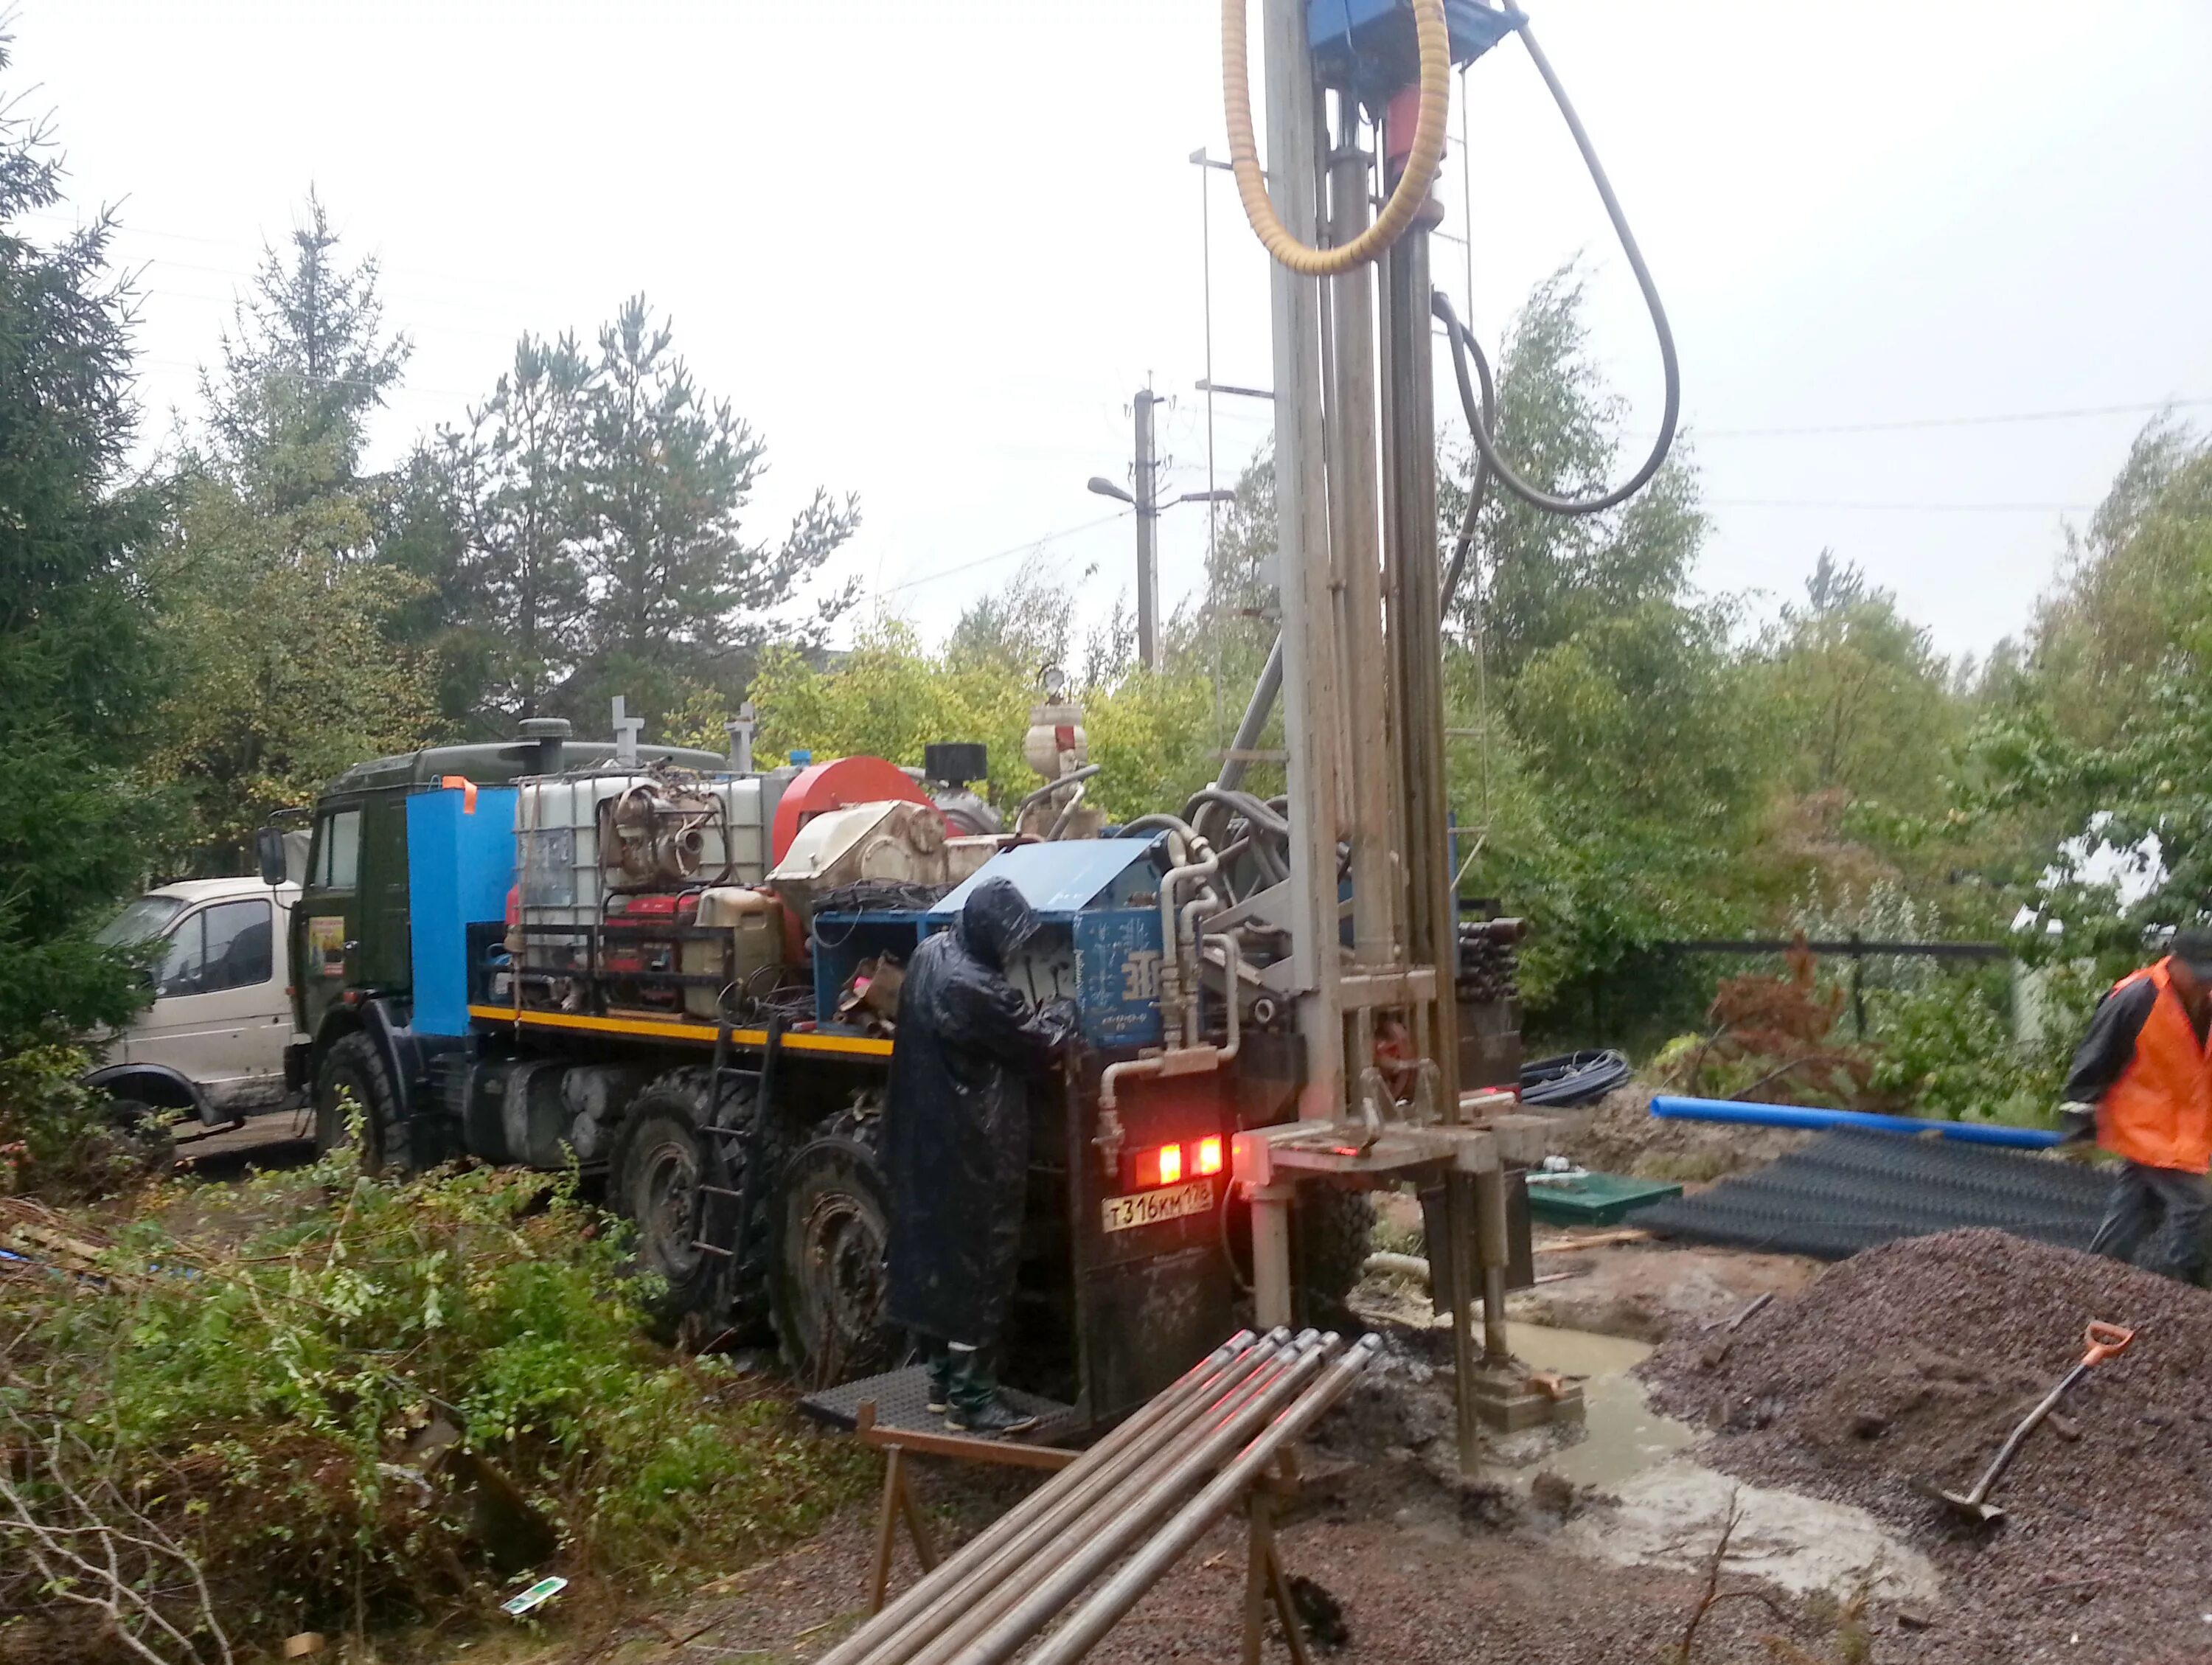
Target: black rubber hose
point(1477, 492)
point(1463, 342)
point(1577, 1077)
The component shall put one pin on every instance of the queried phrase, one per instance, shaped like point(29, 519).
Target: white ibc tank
point(676, 831)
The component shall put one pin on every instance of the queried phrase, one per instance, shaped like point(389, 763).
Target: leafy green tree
point(2133, 586)
point(1022, 627)
point(1863, 698)
point(1609, 771)
point(2092, 773)
point(274, 600)
point(79, 672)
point(1541, 577)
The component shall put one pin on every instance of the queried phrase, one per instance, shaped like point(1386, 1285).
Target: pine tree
point(77, 675)
point(678, 590)
point(273, 598)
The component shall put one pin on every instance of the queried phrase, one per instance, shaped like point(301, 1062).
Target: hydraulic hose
point(1421, 164)
point(1481, 418)
point(1478, 492)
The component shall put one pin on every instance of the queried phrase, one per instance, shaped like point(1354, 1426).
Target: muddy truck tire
point(1331, 1236)
point(673, 1179)
point(834, 1225)
point(353, 1078)
point(1332, 1232)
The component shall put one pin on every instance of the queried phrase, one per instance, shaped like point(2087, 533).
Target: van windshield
point(142, 920)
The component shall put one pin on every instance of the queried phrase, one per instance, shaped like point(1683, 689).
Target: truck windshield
point(142, 920)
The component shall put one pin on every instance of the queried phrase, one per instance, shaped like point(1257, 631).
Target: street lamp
point(1148, 508)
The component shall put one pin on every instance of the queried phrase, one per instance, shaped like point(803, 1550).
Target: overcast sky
point(931, 251)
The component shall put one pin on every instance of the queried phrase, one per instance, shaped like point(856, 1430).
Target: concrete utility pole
point(1149, 509)
point(1148, 555)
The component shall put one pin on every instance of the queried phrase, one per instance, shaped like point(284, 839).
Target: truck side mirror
point(269, 850)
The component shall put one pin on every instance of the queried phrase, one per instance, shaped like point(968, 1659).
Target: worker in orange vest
point(2142, 1083)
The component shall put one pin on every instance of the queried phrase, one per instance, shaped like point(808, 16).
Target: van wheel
point(353, 1078)
point(830, 1276)
point(142, 1137)
point(669, 1177)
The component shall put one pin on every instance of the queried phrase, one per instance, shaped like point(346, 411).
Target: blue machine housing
point(1095, 899)
point(1369, 47)
point(460, 866)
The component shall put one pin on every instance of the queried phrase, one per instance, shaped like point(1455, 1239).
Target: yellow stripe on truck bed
point(660, 1029)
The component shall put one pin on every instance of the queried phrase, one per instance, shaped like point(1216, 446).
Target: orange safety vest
point(2158, 1113)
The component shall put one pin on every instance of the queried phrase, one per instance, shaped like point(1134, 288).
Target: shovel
point(2104, 1341)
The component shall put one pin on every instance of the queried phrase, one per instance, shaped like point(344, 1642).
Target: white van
point(212, 1044)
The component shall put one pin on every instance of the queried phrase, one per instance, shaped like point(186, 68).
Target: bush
point(1946, 1048)
point(56, 1139)
point(373, 1404)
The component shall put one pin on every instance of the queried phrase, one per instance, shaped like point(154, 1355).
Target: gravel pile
point(1907, 1364)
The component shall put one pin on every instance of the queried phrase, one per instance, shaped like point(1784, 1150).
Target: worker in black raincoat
point(956, 1147)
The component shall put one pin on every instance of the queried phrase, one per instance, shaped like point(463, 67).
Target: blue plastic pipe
point(1801, 1116)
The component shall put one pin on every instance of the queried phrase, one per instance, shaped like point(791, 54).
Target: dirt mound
point(1906, 1365)
point(1624, 1137)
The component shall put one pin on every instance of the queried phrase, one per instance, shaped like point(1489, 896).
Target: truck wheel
point(354, 1069)
point(1331, 1232)
point(830, 1281)
point(661, 1165)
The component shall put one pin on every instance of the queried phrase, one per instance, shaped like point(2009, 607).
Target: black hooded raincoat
point(956, 1127)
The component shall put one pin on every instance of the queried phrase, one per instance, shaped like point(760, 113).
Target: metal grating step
point(1849, 1190)
point(902, 1400)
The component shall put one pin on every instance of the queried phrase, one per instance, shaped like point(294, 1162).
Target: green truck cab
point(350, 940)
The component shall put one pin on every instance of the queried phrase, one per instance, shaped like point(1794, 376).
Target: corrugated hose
point(1422, 162)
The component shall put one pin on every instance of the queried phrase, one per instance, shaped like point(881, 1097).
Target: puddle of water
point(1622, 1436)
point(1669, 1508)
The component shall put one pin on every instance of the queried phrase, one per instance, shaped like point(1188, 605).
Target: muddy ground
point(1422, 1572)
point(1646, 1291)
point(1554, 1556)
point(1619, 1135)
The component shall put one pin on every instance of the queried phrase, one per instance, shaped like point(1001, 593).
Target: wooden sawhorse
point(899, 1503)
point(1265, 1585)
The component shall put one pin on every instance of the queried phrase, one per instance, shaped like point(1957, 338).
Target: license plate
point(1170, 1202)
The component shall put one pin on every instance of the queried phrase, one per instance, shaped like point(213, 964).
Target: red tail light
point(1209, 1155)
point(1162, 1166)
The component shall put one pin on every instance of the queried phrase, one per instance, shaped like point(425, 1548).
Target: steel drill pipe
point(983, 1565)
point(1106, 1456)
point(1174, 1467)
point(1127, 1447)
point(1010, 1628)
point(1105, 1608)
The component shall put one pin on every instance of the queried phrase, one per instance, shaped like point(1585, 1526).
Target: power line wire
point(1902, 509)
point(1023, 548)
point(1906, 424)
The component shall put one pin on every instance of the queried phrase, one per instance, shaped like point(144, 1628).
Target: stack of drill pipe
point(988, 1600)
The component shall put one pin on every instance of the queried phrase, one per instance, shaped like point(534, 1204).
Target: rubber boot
point(937, 1355)
point(977, 1405)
